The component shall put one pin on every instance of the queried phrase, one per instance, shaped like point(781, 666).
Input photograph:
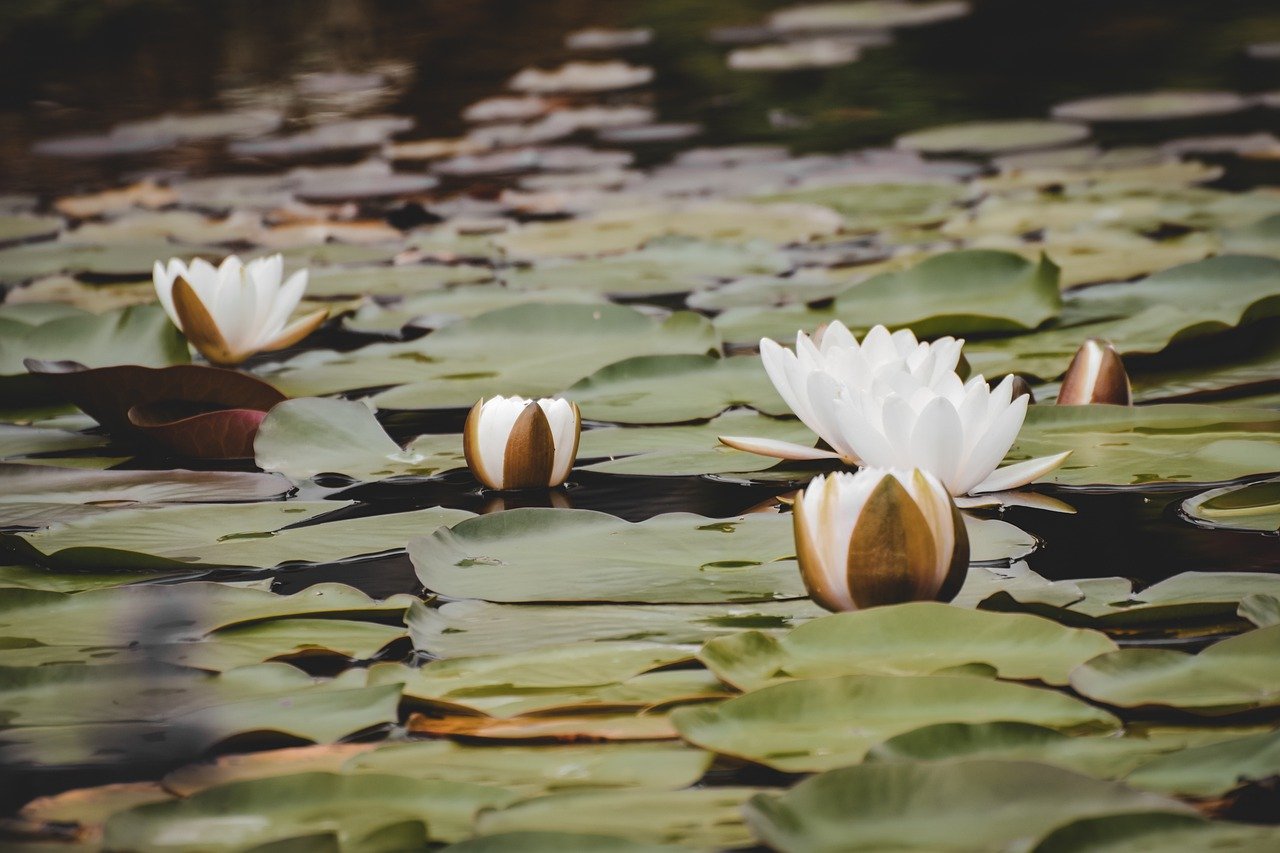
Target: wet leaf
point(1232, 675)
point(1255, 506)
point(963, 806)
point(906, 639)
point(804, 725)
point(995, 137)
point(1151, 106)
point(1140, 833)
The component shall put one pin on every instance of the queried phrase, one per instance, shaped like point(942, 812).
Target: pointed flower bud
point(514, 443)
point(234, 310)
point(879, 537)
point(1096, 375)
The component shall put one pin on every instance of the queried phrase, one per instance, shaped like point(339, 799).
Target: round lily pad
point(994, 137)
point(1151, 106)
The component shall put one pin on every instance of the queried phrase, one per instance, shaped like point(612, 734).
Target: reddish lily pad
point(198, 411)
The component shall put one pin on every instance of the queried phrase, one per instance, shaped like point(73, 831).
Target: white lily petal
point(1020, 473)
point(776, 448)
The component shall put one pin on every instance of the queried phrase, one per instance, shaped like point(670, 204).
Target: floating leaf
point(76, 714)
point(1232, 675)
point(906, 639)
point(554, 842)
point(956, 293)
point(993, 137)
point(804, 725)
point(702, 818)
point(531, 770)
point(561, 728)
point(673, 388)
point(676, 451)
point(1151, 445)
point(457, 365)
point(962, 806)
point(1255, 506)
point(865, 14)
point(249, 535)
point(527, 555)
point(364, 811)
point(1214, 769)
point(311, 435)
point(479, 627)
point(1150, 833)
point(1151, 106)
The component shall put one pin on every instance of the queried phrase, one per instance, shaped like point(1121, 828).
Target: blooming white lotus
point(1096, 375)
point(514, 443)
point(234, 310)
point(879, 537)
point(958, 431)
point(810, 378)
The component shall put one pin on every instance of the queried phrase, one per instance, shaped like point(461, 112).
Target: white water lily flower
point(879, 537)
point(958, 431)
point(809, 378)
point(514, 443)
point(1096, 375)
point(234, 310)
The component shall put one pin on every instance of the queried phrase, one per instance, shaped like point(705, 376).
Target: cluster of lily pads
point(178, 669)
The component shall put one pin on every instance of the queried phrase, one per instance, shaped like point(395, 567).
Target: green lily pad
point(472, 627)
point(538, 554)
point(1102, 756)
point(993, 137)
point(434, 310)
point(906, 639)
point(21, 483)
point(1213, 769)
point(1158, 832)
point(663, 266)
point(1112, 603)
point(865, 15)
point(138, 335)
point(533, 770)
point(1253, 369)
point(651, 389)
point(805, 725)
point(956, 293)
point(1233, 675)
point(401, 280)
point(363, 811)
point(873, 207)
point(20, 227)
point(303, 437)
point(132, 259)
point(1118, 446)
point(1171, 307)
point(1261, 609)
point(964, 806)
point(681, 451)
point(701, 818)
point(572, 693)
point(626, 229)
point(1151, 106)
point(249, 535)
point(1255, 506)
point(556, 842)
point(460, 363)
point(63, 714)
point(27, 440)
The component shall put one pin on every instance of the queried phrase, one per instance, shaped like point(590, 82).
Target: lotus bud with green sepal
point(879, 537)
point(1096, 375)
point(515, 443)
point(235, 310)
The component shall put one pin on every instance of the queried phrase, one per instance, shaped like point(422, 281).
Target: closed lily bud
point(235, 310)
point(514, 443)
point(1096, 375)
point(879, 537)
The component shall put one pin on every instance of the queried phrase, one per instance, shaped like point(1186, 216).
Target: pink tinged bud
point(1096, 375)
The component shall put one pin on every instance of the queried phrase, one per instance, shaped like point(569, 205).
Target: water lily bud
point(1096, 375)
point(514, 443)
point(879, 537)
point(1022, 388)
point(234, 310)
